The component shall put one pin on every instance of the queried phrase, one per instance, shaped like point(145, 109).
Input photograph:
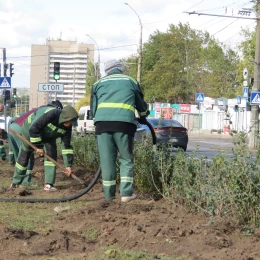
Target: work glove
point(142, 120)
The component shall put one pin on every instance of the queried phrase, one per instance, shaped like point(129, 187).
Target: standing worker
point(114, 99)
point(14, 146)
point(42, 127)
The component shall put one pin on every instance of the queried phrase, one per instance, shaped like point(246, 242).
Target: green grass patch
point(40, 217)
point(90, 233)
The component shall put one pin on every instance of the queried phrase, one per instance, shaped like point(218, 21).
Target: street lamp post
point(98, 66)
point(140, 57)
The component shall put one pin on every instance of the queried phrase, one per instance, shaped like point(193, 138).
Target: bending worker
point(114, 99)
point(42, 127)
point(15, 143)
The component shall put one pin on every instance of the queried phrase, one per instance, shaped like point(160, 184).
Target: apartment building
point(73, 58)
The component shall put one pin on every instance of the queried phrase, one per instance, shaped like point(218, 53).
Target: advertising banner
point(166, 113)
point(185, 108)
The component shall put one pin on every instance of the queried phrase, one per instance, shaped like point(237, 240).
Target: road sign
point(255, 98)
point(50, 87)
point(199, 97)
point(238, 100)
point(5, 82)
point(245, 83)
point(245, 73)
point(245, 92)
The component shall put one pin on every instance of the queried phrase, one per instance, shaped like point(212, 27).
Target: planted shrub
point(220, 187)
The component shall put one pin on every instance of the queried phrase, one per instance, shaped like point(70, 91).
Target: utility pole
point(140, 57)
point(140, 49)
point(254, 121)
point(4, 73)
point(98, 64)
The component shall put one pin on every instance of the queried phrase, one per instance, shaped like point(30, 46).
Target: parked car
point(140, 131)
point(168, 130)
point(85, 122)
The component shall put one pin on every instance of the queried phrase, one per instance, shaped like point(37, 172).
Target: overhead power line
point(219, 15)
point(29, 56)
point(174, 15)
point(224, 27)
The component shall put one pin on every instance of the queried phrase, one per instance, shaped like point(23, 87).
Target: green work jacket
point(43, 126)
point(115, 98)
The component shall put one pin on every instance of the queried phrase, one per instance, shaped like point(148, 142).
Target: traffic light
point(11, 69)
point(6, 94)
point(252, 81)
point(236, 108)
point(248, 106)
point(14, 93)
point(56, 72)
point(5, 69)
point(12, 104)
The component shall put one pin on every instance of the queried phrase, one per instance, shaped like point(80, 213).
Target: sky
point(113, 25)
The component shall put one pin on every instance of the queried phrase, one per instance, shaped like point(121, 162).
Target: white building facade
point(73, 58)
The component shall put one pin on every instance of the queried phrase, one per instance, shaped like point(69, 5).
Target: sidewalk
point(208, 134)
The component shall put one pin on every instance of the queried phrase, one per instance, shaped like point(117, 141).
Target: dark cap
point(69, 113)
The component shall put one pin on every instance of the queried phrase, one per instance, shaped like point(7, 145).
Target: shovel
point(48, 157)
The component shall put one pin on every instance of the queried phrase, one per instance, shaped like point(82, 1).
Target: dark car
point(168, 130)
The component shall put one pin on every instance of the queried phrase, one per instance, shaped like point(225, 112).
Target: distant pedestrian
point(2, 150)
point(113, 102)
point(3, 137)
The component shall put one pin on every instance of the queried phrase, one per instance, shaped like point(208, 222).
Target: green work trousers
point(25, 153)
point(109, 145)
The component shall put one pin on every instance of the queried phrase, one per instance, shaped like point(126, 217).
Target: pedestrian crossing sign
point(5, 82)
point(245, 92)
point(255, 98)
point(199, 97)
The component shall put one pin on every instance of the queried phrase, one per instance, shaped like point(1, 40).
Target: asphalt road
point(210, 145)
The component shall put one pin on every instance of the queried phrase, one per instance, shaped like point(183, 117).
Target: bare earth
point(143, 224)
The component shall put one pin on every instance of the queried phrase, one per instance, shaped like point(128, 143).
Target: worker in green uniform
point(42, 127)
point(15, 143)
point(2, 150)
point(114, 99)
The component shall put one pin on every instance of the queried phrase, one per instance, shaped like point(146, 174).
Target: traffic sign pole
point(199, 97)
point(5, 113)
point(254, 127)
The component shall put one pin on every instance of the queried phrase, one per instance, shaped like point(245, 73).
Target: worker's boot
point(128, 198)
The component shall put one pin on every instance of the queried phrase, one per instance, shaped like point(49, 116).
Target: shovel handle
point(47, 156)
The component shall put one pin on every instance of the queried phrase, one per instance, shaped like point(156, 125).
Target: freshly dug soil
point(143, 224)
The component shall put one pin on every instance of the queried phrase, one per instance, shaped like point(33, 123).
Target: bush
point(220, 187)
point(85, 151)
point(228, 189)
